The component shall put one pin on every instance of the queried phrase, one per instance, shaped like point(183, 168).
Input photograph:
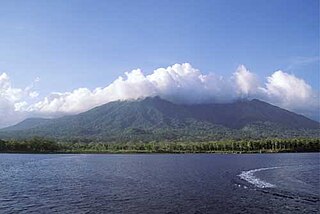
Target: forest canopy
point(43, 145)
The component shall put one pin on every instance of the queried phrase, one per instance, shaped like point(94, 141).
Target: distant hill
point(157, 119)
point(27, 124)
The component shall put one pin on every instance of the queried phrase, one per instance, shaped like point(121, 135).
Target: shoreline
point(146, 152)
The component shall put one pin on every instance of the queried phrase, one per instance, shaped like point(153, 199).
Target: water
point(190, 183)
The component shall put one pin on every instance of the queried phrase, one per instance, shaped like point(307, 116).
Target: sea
point(160, 183)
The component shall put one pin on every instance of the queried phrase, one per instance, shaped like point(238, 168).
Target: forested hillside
point(155, 119)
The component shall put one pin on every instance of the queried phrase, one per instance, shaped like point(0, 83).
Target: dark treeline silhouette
point(35, 144)
point(42, 145)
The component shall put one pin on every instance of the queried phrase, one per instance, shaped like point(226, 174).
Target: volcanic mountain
point(155, 119)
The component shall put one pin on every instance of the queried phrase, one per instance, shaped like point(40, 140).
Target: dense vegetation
point(41, 145)
point(34, 145)
point(155, 119)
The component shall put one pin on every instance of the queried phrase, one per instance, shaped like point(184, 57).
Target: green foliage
point(35, 145)
point(154, 119)
point(41, 145)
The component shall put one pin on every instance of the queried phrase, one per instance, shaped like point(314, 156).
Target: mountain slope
point(27, 124)
point(158, 119)
point(239, 114)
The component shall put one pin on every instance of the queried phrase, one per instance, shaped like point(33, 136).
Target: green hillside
point(155, 119)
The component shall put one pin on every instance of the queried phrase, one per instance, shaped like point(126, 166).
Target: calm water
point(191, 183)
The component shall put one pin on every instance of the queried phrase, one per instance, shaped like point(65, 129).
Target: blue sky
point(72, 44)
point(69, 44)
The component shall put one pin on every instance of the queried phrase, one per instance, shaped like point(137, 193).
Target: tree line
point(43, 145)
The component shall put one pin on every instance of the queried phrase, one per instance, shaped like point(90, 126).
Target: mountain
point(156, 119)
point(27, 124)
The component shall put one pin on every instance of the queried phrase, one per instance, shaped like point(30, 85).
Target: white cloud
point(290, 89)
point(13, 101)
point(33, 94)
point(247, 82)
point(291, 92)
point(7, 92)
point(20, 106)
point(8, 96)
point(179, 83)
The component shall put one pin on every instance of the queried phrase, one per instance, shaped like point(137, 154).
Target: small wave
point(249, 177)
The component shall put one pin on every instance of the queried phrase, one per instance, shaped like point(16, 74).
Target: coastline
point(148, 152)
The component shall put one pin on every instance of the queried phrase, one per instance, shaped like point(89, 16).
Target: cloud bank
point(179, 83)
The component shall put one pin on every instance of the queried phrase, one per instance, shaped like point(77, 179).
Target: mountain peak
point(153, 118)
point(153, 99)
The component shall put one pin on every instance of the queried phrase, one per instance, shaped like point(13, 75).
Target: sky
point(64, 57)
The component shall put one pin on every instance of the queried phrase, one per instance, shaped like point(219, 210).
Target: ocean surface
point(160, 183)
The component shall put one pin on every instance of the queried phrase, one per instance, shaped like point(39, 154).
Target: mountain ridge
point(153, 118)
point(26, 124)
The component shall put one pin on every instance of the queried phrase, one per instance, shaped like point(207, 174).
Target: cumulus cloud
point(8, 93)
point(289, 89)
point(8, 97)
point(180, 83)
point(33, 94)
point(291, 92)
point(247, 82)
point(13, 100)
